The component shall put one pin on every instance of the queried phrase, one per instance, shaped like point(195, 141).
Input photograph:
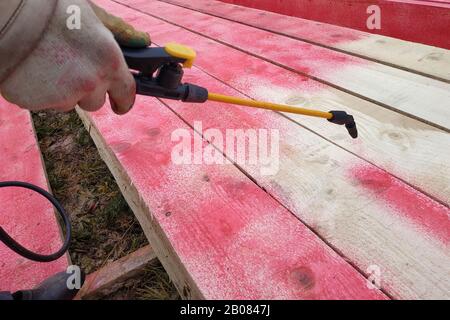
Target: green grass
point(104, 227)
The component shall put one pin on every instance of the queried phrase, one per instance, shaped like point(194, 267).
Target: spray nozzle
point(342, 118)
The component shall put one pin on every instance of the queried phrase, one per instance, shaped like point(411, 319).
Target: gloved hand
point(123, 32)
point(70, 67)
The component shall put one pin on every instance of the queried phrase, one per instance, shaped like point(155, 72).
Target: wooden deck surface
point(421, 21)
point(337, 209)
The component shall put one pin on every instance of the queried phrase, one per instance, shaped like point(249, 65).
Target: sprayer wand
point(160, 74)
point(337, 117)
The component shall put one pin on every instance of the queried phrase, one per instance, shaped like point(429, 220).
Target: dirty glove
point(46, 64)
point(123, 32)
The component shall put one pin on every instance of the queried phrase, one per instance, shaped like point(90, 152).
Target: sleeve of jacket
point(22, 23)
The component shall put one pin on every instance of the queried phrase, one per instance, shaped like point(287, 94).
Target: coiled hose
point(17, 247)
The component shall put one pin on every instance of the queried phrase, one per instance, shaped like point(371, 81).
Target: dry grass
point(154, 284)
point(104, 228)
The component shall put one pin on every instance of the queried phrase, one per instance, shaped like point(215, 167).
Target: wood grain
point(112, 276)
point(422, 98)
point(368, 215)
point(412, 20)
point(330, 189)
point(411, 150)
point(218, 235)
point(422, 59)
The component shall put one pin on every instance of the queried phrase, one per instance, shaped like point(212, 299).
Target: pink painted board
point(414, 57)
point(234, 116)
point(26, 216)
point(233, 239)
point(238, 117)
point(323, 33)
point(373, 81)
point(263, 79)
point(421, 211)
point(424, 22)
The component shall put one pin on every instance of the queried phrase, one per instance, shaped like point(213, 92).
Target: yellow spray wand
point(268, 105)
point(161, 74)
point(338, 117)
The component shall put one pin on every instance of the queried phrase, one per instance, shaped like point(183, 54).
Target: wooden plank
point(110, 278)
point(386, 138)
point(417, 96)
point(297, 91)
point(351, 204)
point(418, 21)
point(365, 213)
point(422, 59)
point(218, 235)
point(26, 216)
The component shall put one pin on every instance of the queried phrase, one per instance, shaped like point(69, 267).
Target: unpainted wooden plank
point(110, 277)
point(412, 20)
point(417, 96)
point(423, 59)
point(218, 235)
point(26, 216)
point(367, 214)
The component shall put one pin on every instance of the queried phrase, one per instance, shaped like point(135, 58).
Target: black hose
point(19, 249)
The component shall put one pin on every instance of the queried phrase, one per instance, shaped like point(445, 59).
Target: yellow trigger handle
point(183, 52)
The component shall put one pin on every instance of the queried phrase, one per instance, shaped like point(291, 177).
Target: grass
point(154, 284)
point(104, 227)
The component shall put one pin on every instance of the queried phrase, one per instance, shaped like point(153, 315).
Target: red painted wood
point(418, 21)
point(407, 201)
point(351, 41)
point(333, 67)
point(295, 27)
point(422, 213)
point(220, 61)
point(234, 240)
point(298, 55)
point(261, 77)
point(27, 217)
point(439, 1)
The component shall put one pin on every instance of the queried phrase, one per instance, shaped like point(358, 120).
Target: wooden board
point(26, 216)
point(417, 96)
point(418, 21)
point(386, 138)
point(111, 277)
point(218, 235)
point(347, 201)
point(422, 59)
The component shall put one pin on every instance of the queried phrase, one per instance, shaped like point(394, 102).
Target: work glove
point(76, 66)
point(125, 34)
